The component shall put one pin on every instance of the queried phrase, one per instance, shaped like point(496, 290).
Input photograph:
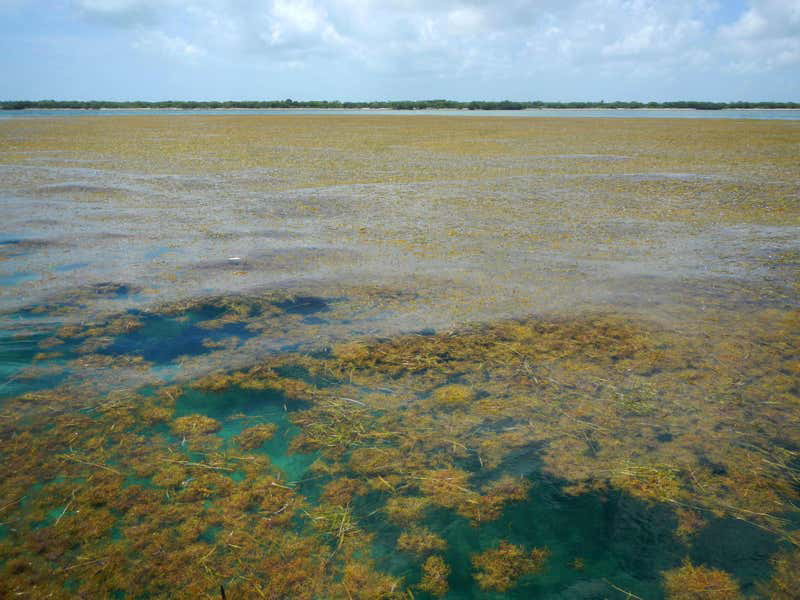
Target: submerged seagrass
point(385, 357)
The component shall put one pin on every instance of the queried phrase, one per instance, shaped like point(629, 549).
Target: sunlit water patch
point(71, 267)
point(25, 366)
point(17, 278)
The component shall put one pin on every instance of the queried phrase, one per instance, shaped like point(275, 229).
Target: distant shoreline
point(148, 109)
point(740, 113)
point(403, 105)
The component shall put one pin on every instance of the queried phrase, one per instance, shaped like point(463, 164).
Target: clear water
point(304, 360)
point(16, 278)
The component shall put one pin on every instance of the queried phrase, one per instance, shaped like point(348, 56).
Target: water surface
point(328, 356)
point(613, 113)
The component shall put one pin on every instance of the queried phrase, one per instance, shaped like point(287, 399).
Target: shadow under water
point(594, 456)
point(333, 357)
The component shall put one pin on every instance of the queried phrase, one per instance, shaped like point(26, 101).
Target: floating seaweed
point(195, 424)
point(498, 569)
point(420, 542)
point(434, 576)
point(691, 582)
point(255, 436)
point(370, 462)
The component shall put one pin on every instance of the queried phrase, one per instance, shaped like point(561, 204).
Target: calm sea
point(660, 113)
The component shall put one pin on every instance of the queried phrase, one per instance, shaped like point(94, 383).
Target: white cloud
point(465, 20)
point(160, 43)
point(619, 43)
point(299, 15)
point(765, 37)
point(766, 19)
point(750, 25)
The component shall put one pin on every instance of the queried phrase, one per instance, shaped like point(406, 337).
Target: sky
point(554, 50)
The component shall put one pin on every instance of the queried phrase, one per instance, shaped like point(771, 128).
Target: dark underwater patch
point(163, 338)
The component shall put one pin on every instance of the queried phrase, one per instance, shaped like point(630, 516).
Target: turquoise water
point(162, 339)
point(598, 542)
point(240, 409)
point(322, 426)
point(71, 267)
point(17, 278)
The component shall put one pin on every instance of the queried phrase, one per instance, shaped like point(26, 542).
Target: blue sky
point(400, 49)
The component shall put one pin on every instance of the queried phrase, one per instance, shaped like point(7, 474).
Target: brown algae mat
point(395, 357)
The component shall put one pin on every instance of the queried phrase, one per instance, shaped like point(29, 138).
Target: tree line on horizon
point(390, 104)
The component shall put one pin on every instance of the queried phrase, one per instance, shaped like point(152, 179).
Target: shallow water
point(330, 357)
point(606, 113)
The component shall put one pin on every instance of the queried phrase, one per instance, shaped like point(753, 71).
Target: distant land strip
point(391, 104)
